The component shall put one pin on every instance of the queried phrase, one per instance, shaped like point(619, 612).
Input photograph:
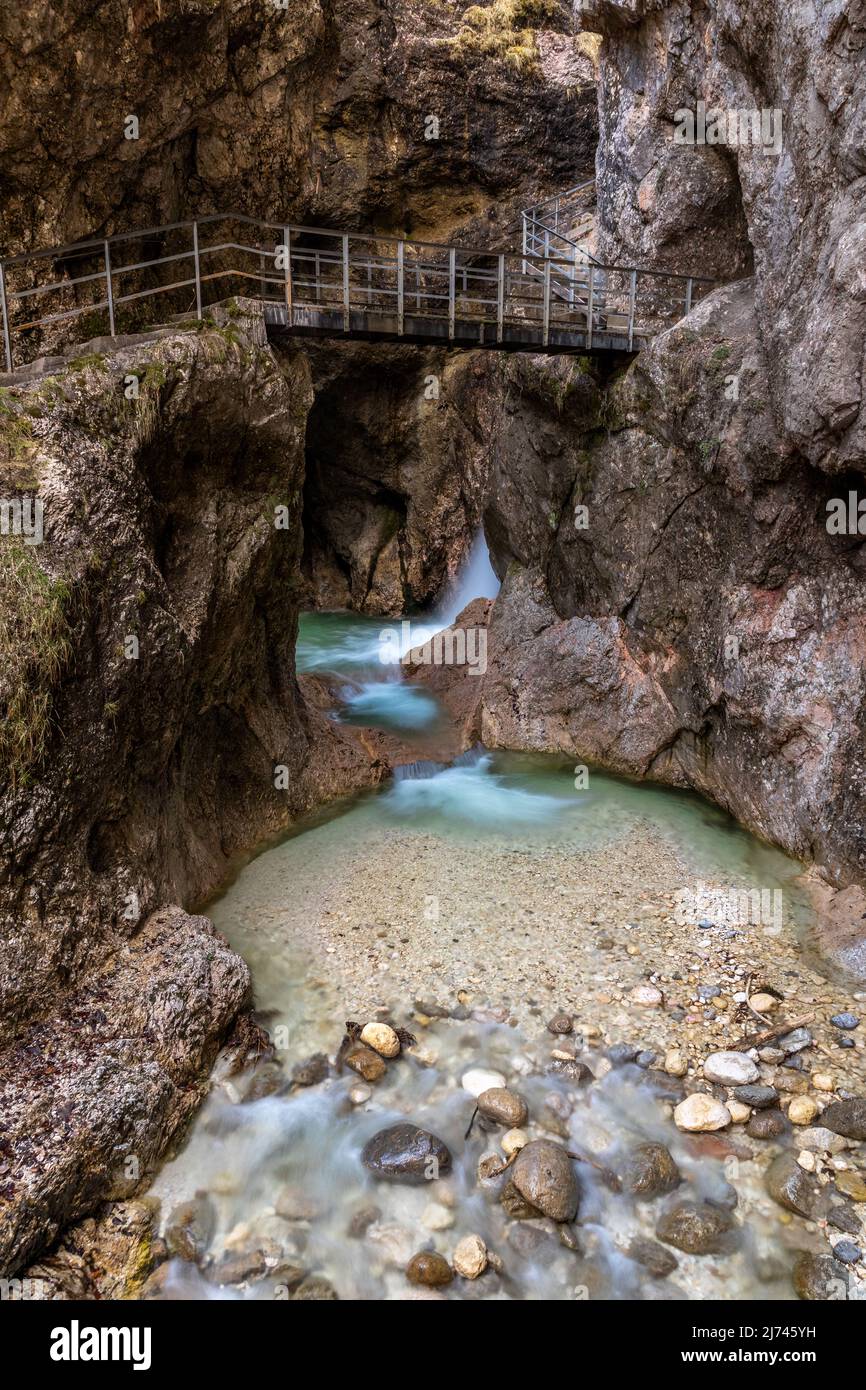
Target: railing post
point(287, 234)
point(197, 260)
point(7, 340)
point(106, 251)
point(346, 317)
point(689, 295)
point(400, 287)
point(452, 290)
point(546, 331)
point(525, 239)
point(589, 306)
point(317, 275)
point(631, 299)
point(500, 298)
point(574, 263)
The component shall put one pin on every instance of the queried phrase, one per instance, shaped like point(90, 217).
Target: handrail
point(360, 270)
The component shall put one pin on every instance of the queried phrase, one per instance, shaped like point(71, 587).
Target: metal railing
point(339, 281)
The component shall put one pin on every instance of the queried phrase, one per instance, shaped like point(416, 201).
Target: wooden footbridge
point(552, 295)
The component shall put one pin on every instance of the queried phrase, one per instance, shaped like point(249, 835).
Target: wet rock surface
point(544, 1177)
point(406, 1153)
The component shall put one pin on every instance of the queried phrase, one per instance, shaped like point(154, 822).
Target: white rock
point(477, 1080)
point(764, 1003)
point(646, 996)
point(802, 1110)
point(740, 1113)
point(807, 1160)
point(699, 1113)
point(395, 1243)
point(513, 1141)
point(381, 1038)
point(822, 1141)
point(676, 1062)
point(730, 1069)
point(823, 1081)
point(359, 1095)
point(436, 1217)
point(470, 1257)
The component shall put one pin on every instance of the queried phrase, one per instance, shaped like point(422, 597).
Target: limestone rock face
point(168, 673)
point(700, 622)
point(395, 472)
point(354, 113)
point(93, 1092)
point(796, 213)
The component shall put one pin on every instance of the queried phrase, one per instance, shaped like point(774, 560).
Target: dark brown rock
point(697, 1229)
point(429, 1269)
point(767, 1124)
point(654, 1257)
point(846, 1117)
point(365, 1062)
point(503, 1106)
point(650, 1171)
point(405, 1153)
point(818, 1278)
point(790, 1185)
point(544, 1175)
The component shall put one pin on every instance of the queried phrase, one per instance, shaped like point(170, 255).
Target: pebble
point(739, 1112)
point(503, 1106)
point(654, 1257)
point(802, 1110)
point(622, 1053)
point(367, 1063)
point(676, 1062)
point(470, 1257)
point(514, 1141)
point(650, 1171)
point(819, 1277)
point(851, 1185)
point(823, 1081)
point(561, 1023)
point(430, 1269)
point(578, 1073)
point(405, 1153)
point(477, 1081)
point(772, 1055)
point(788, 1185)
point(822, 1141)
point(766, 1124)
point(847, 1252)
point(846, 1117)
point(435, 1217)
point(697, 1229)
point(544, 1176)
point(730, 1068)
point(646, 997)
point(359, 1095)
point(764, 1003)
point(845, 1020)
point(381, 1038)
point(758, 1097)
point(795, 1041)
point(699, 1113)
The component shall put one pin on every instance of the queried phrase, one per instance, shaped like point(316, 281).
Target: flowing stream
point(497, 888)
